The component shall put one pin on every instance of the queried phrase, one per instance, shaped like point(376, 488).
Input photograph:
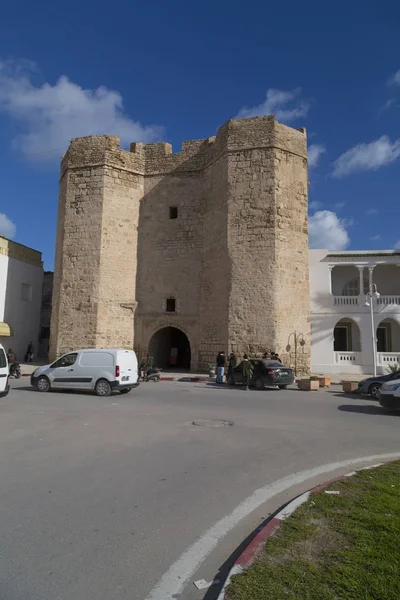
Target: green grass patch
point(334, 547)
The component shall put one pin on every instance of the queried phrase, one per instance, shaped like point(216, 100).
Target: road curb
point(250, 553)
point(186, 379)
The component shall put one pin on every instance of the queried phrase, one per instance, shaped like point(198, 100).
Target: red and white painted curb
point(249, 555)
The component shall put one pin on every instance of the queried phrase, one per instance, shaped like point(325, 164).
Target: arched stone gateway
point(170, 347)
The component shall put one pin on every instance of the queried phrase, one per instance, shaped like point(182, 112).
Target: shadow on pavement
point(367, 409)
point(352, 396)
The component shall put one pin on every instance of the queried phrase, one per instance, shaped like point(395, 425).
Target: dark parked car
point(372, 384)
point(266, 373)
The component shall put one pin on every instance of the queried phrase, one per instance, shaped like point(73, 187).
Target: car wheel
point(103, 388)
point(231, 380)
point(125, 390)
point(282, 387)
point(43, 384)
point(259, 384)
point(374, 390)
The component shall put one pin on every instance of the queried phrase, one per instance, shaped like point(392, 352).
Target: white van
point(100, 370)
point(4, 387)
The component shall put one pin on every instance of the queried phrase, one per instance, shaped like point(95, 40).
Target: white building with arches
point(341, 332)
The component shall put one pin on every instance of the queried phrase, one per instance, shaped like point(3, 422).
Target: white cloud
point(315, 151)
point(339, 205)
point(387, 105)
point(394, 79)
point(314, 205)
point(276, 103)
point(326, 230)
point(374, 238)
point(371, 211)
point(367, 157)
point(397, 245)
point(50, 115)
point(7, 227)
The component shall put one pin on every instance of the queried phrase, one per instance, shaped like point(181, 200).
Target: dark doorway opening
point(170, 348)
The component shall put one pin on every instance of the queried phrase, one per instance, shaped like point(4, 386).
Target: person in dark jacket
point(29, 353)
point(231, 364)
point(220, 367)
point(247, 371)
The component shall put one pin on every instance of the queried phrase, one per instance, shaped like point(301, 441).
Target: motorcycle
point(15, 370)
point(151, 375)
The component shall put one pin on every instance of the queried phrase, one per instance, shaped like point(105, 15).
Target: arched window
point(352, 287)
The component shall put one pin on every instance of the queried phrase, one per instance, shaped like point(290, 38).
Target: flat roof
point(355, 253)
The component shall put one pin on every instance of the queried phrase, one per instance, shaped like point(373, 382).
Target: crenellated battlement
point(148, 159)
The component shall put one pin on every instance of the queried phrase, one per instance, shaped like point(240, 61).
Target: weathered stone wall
point(95, 267)
point(77, 264)
point(116, 296)
point(267, 238)
point(169, 255)
point(216, 267)
point(235, 259)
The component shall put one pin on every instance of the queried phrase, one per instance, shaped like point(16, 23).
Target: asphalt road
point(99, 497)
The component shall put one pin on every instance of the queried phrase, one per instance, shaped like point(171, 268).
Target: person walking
point(247, 371)
point(220, 367)
point(231, 364)
point(11, 356)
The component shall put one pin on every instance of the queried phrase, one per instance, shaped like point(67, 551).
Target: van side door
point(62, 372)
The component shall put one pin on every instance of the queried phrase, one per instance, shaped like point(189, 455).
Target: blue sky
point(177, 70)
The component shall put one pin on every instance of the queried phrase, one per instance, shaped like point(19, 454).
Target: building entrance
point(170, 348)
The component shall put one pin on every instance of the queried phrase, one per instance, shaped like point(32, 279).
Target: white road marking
point(174, 580)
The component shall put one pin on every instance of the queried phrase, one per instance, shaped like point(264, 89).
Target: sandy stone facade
point(219, 228)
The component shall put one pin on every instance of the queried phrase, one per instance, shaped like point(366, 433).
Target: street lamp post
point(372, 295)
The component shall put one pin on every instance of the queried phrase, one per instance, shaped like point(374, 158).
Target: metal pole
point(295, 354)
point(371, 301)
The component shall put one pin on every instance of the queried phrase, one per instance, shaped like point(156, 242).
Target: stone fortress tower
point(185, 254)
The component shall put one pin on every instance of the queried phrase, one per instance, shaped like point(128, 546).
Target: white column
point(330, 267)
point(361, 271)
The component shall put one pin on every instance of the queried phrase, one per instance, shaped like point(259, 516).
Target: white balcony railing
point(347, 358)
point(346, 300)
point(356, 303)
point(385, 359)
point(388, 300)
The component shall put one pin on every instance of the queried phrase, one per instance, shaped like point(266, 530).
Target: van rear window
point(3, 359)
point(96, 359)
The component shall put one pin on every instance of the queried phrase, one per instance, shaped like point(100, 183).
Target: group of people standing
point(245, 366)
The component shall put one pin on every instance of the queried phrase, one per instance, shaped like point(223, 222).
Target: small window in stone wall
point(173, 212)
point(171, 305)
point(26, 292)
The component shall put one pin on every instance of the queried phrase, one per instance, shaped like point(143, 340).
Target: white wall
point(23, 316)
point(3, 283)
